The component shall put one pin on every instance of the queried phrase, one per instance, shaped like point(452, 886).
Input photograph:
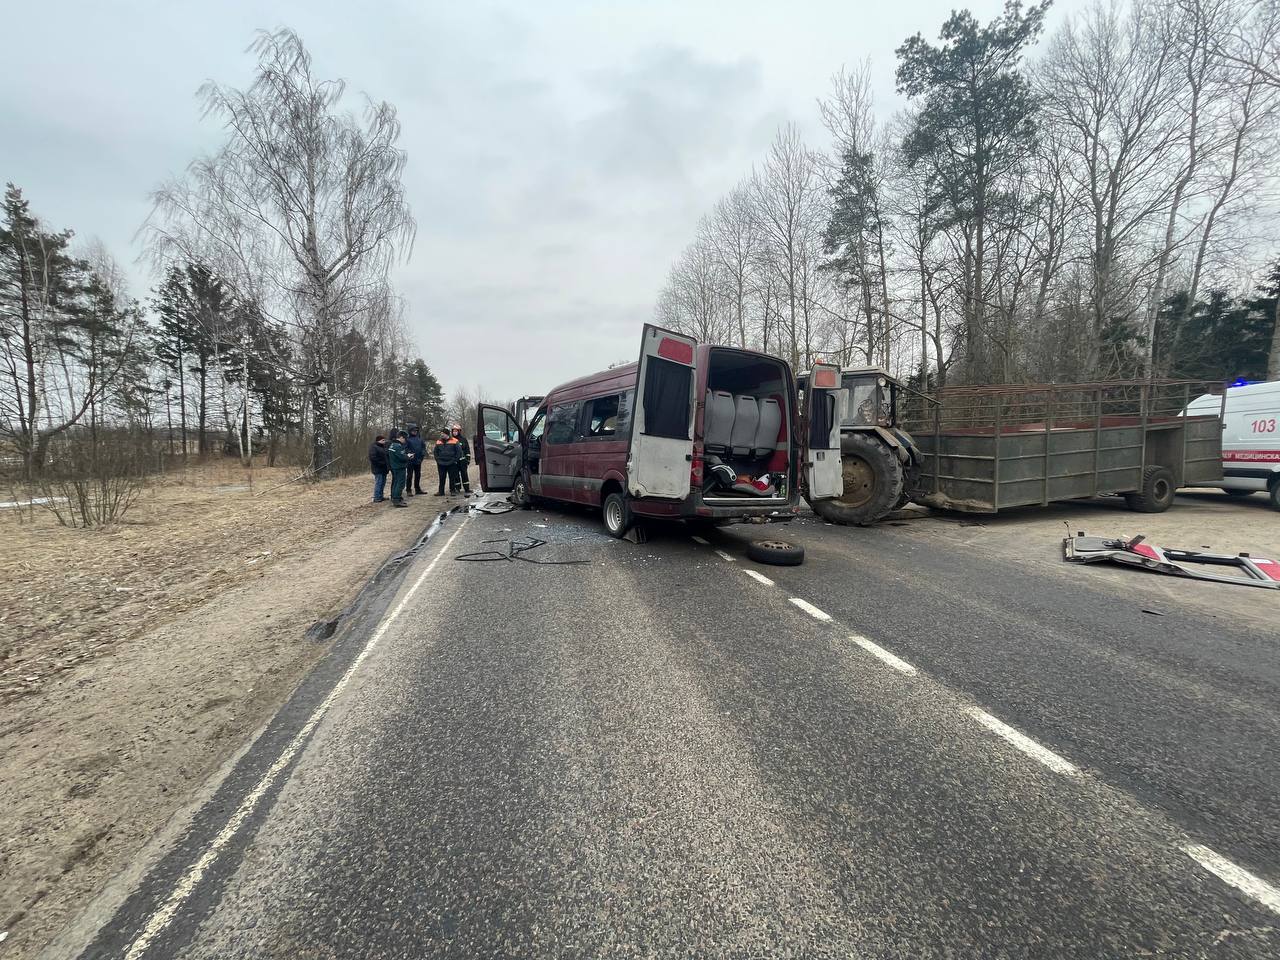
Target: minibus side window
point(562, 423)
point(625, 404)
point(600, 418)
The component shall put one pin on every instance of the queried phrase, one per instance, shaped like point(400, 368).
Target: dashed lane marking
point(757, 576)
point(811, 610)
point(187, 883)
point(880, 653)
point(701, 541)
point(724, 556)
point(1025, 744)
point(1235, 875)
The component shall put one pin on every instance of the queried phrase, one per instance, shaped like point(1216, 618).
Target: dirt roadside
point(136, 696)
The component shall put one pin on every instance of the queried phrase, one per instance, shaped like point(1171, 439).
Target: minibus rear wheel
point(617, 514)
point(1275, 494)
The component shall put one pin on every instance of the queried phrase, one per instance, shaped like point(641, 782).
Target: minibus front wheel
point(617, 514)
point(520, 492)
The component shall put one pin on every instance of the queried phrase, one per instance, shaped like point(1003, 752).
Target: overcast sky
point(560, 153)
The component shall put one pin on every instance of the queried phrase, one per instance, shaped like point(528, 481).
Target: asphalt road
point(938, 753)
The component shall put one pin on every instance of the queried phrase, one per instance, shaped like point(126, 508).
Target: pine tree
point(50, 312)
point(423, 395)
point(974, 127)
point(192, 305)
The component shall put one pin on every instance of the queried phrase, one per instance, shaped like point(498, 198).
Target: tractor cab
point(873, 397)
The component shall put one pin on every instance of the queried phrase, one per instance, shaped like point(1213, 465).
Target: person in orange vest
point(464, 458)
point(447, 453)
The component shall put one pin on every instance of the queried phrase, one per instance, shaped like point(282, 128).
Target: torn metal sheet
point(1136, 552)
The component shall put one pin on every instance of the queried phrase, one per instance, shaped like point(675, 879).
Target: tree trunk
point(32, 465)
point(182, 396)
point(204, 394)
point(322, 453)
point(168, 418)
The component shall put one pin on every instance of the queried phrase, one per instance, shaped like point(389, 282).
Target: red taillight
point(826, 378)
point(695, 472)
point(678, 350)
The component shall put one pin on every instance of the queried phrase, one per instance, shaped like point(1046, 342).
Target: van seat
point(770, 425)
point(717, 425)
point(746, 422)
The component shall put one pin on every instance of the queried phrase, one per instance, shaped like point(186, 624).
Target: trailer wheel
point(779, 553)
point(617, 515)
point(1156, 495)
point(873, 482)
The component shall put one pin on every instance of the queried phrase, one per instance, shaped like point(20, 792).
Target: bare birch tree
point(302, 209)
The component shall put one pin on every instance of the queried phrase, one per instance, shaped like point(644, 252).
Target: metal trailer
point(985, 449)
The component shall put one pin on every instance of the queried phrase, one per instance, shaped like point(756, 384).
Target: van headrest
point(766, 440)
point(745, 423)
point(717, 421)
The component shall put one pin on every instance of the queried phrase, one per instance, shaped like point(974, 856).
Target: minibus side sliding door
point(660, 455)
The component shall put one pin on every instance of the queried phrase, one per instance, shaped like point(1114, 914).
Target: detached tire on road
point(617, 515)
point(1156, 495)
point(873, 483)
point(778, 553)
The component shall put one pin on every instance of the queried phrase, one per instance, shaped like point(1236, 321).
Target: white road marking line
point(187, 883)
point(1236, 876)
point(1024, 743)
point(757, 576)
point(811, 610)
point(724, 556)
point(880, 653)
point(701, 541)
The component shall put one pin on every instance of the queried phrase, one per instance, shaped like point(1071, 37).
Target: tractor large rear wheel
point(873, 482)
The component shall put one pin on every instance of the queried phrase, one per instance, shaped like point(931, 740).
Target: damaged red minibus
point(692, 430)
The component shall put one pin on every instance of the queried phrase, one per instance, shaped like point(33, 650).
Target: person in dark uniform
point(399, 456)
point(379, 466)
point(418, 447)
point(464, 458)
point(446, 453)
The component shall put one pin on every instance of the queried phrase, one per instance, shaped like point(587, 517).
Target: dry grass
point(68, 596)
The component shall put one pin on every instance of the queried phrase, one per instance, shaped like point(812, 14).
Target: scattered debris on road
point(493, 505)
point(1255, 571)
point(516, 550)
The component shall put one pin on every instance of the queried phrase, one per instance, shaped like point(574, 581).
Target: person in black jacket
point(464, 458)
point(446, 453)
point(418, 447)
point(399, 456)
point(379, 466)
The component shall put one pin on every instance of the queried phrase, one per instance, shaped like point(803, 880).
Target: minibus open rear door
point(661, 452)
point(824, 404)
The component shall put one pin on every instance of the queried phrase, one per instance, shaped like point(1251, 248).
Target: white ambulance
point(1250, 438)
